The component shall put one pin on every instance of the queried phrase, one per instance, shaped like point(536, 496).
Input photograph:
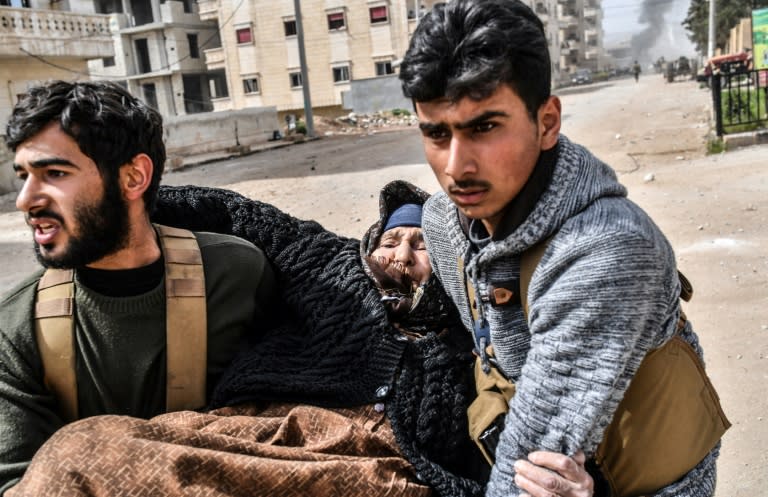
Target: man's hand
point(550, 474)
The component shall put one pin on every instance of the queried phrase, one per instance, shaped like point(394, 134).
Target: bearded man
point(89, 157)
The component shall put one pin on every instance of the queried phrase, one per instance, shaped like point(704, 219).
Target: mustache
point(468, 183)
point(44, 213)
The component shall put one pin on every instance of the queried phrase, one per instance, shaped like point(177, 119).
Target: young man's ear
point(135, 176)
point(549, 122)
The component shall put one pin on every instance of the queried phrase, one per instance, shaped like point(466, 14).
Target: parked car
point(581, 77)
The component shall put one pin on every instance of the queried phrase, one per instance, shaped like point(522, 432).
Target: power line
point(217, 32)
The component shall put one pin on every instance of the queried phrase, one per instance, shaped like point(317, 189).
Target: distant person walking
point(636, 71)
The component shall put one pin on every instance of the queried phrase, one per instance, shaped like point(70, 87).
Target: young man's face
point(405, 246)
point(483, 151)
point(75, 219)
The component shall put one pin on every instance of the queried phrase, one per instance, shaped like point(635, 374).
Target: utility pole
point(711, 43)
point(304, 76)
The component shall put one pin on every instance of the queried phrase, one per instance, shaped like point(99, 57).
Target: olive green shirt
point(120, 347)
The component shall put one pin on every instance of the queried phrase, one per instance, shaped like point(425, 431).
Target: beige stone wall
point(741, 36)
point(6, 172)
point(20, 73)
point(272, 56)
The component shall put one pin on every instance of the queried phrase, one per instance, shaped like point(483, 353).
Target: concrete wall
point(367, 96)
point(218, 132)
point(6, 171)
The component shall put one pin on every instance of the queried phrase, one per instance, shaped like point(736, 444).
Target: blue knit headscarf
point(405, 215)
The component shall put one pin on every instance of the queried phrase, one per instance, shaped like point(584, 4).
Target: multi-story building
point(258, 60)
point(158, 55)
point(593, 34)
point(41, 40)
point(547, 10)
point(344, 40)
point(581, 35)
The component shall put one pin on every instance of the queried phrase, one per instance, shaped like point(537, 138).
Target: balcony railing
point(55, 33)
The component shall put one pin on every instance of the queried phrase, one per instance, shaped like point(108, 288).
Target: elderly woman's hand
point(550, 474)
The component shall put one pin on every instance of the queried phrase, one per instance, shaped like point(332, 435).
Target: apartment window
point(290, 28)
point(378, 14)
point(187, 6)
point(336, 21)
point(340, 74)
point(217, 84)
point(108, 61)
point(251, 85)
point(194, 49)
point(295, 78)
point(244, 35)
point(384, 68)
point(150, 94)
point(142, 55)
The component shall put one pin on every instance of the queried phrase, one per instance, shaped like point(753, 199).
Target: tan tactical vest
point(186, 326)
point(668, 421)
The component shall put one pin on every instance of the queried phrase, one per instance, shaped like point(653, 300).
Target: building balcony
point(49, 33)
point(591, 53)
point(590, 13)
point(566, 16)
point(208, 10)
point(214, 58)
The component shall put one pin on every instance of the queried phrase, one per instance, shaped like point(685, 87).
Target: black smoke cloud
point(652, 14)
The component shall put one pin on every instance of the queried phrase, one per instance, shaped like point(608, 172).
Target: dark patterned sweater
point(332, 343)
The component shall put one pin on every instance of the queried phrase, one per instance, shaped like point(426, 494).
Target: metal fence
point(739, 99)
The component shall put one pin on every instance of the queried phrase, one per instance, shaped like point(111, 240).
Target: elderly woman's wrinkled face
point(404, 247)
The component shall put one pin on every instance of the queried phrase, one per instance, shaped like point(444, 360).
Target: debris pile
point(353, 123)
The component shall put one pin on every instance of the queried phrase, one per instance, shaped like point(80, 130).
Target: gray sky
point(621, 21)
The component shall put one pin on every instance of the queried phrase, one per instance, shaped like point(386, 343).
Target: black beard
point(103, 229)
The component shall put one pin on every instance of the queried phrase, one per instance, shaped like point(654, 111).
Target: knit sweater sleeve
point(598, 302)
point(280, 235)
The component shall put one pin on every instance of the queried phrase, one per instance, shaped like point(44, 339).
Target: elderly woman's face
point(405, 246)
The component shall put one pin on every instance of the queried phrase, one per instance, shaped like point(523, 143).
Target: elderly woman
point(360, 388)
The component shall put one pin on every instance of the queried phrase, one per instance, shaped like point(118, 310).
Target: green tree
point(728, 13)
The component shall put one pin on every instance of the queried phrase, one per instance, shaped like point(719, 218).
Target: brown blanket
point(277, 450)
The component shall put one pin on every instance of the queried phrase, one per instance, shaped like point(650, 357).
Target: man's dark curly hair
point(110, 125)
point(467, 48)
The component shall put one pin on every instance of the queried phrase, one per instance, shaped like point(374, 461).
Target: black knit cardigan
point(329, 342)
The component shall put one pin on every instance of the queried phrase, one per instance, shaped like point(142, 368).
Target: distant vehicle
point(679, 67)
point(581, 77)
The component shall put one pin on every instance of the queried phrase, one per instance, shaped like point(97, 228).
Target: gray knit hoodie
point(604, 293)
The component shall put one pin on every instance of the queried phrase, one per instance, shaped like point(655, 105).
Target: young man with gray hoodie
point(606, 290)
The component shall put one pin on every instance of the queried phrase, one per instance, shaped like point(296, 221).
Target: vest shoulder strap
point(186, 327)
point(186, 320)
point(54, 318)
point(528, 262)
